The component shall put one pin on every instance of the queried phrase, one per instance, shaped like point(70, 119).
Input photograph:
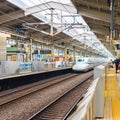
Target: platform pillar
point(3, 46)
point(99, 93)
point(52, 48)
point(74, 54)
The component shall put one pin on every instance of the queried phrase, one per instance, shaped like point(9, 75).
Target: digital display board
point(45, 51)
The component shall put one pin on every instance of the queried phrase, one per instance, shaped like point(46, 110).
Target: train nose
point(80, 67)
point(74, 67)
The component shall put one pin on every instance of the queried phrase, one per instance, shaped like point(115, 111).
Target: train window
point(80, 60)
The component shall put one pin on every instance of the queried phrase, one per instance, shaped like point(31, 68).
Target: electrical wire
point(40, 8)
point(56, 11)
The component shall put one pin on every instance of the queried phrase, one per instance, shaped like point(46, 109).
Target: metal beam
point(100, 32)
point(102, 27)
point(99, 29)
point(98, 15)
point(100, 36)
point(71, 41)
point(94, 14)
point(62, 40)
point(92, 4)
point(11, 16)
point(96, 22)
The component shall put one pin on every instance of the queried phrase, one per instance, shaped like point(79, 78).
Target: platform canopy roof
point(62, 17)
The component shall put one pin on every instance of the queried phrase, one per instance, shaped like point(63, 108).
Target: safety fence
point(92, 104)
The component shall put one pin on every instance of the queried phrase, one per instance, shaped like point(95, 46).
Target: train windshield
point(80, 60)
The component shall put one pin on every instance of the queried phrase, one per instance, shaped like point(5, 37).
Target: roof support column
point(85, 47)
point(52, 9)
point(74, 54)
point(52, 50)
point(112, 19)
point(3, 48)
point(31, 49)
point(65, 52)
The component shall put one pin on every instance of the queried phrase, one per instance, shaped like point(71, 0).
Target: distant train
point(87, 63)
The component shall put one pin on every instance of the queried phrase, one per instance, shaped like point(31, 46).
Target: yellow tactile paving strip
point(112, 92)
point(116, 108)
point(112, 96)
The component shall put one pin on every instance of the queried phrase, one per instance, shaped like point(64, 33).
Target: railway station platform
point(11, 81)
point(112, 96)
point(20, 69)
point(104, 103)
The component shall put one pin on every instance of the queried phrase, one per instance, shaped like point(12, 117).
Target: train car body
point(87, 63)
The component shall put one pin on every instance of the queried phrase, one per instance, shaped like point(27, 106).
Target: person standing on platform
point(117, 61)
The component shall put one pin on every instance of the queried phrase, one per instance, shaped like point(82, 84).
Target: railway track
point(12, 94)
point(40, 97)
point(60, 109)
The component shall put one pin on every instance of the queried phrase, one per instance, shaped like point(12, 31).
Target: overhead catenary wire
point(46, 13)
point(50, 7)
point(47, 8)
point(38, 6)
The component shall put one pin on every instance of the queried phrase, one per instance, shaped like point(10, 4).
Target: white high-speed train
point(87, 63)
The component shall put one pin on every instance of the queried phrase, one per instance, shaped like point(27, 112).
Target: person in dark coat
point(117, 61)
